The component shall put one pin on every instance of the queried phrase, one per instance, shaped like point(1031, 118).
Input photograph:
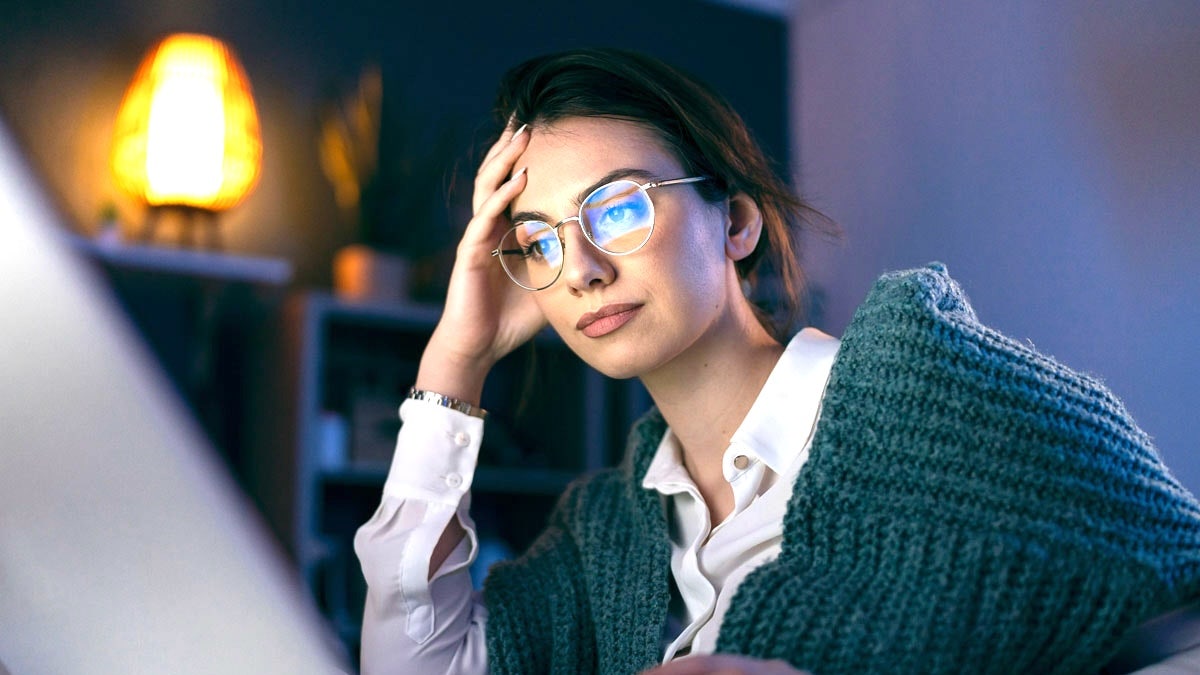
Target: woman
point(925, 495)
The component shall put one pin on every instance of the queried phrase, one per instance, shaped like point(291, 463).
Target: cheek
point(700, 265)
point(697, 259)
point(556, 310)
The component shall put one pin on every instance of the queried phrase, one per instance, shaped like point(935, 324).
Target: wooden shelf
point(204, 264)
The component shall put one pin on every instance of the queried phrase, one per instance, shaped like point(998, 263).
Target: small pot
point(363, 273)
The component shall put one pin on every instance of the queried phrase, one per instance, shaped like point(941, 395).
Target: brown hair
point(707, 136)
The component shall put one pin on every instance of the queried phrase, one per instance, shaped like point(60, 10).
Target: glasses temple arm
point(673, 181)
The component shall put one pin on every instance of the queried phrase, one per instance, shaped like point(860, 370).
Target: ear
point(744, 227)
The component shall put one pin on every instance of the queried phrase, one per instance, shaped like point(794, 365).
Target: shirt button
point(741, 462)
point(462, 439)
point(453, 480)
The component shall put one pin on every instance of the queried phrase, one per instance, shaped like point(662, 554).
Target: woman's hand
point(486, 315)
point(724, 664)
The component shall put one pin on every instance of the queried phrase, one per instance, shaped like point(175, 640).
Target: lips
point(606, 319)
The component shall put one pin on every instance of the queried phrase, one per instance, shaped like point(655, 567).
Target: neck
point(705, 393)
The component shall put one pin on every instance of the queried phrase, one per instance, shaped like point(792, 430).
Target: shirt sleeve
point(411, 623)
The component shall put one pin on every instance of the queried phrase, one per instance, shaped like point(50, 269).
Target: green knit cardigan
point(968, 506)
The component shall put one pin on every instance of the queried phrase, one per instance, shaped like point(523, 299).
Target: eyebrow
point(639, 175)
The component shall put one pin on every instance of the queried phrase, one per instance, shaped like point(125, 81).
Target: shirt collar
point(777, 427)
point(666, 472)
point(779, 423)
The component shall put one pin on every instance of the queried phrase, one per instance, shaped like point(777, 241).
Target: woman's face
point(668, 299)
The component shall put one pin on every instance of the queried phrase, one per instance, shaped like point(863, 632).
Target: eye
point(541, 249)
point(616, 211)
point(619, 216)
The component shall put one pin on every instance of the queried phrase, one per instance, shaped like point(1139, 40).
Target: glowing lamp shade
point(187, 133)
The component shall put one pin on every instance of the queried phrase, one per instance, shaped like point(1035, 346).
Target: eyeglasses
point(617, 218)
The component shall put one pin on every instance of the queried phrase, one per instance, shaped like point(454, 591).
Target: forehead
point(568, 156)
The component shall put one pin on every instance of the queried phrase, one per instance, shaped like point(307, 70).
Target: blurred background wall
point(1048, 153)
point(64, 65)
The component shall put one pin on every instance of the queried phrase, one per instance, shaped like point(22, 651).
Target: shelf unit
point(327, 421)
point(204, 316)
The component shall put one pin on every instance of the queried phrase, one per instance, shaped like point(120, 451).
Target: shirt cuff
point(437, 450)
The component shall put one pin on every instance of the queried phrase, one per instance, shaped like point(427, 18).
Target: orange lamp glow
point(187, 132)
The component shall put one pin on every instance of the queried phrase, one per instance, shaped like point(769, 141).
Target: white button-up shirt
point(414, 625)
point(764, 455)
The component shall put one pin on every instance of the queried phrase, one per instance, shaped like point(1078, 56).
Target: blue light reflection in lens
point(618, 216)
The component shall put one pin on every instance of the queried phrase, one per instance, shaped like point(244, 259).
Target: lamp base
point(189, 219)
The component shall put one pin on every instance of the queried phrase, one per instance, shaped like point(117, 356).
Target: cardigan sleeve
point(538, 619)
point(969, 505)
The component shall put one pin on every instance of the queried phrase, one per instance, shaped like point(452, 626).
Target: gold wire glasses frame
point(647, 223)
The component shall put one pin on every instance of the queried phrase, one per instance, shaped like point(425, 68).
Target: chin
point(620, 362)
point(619, 373)
point(627, 360)
point(616, 369)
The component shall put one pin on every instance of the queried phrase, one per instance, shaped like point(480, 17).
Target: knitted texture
point(591, 593)
point(968, 506)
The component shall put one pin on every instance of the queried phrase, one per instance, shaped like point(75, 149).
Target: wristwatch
point(447, 402)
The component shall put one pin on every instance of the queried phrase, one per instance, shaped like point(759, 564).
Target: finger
point(501, 150)
point(493, 206)
point(491, 209)
point(496, 171)
point(500, 145)
point(505, 136)
point(684, 666)
point(723, 664)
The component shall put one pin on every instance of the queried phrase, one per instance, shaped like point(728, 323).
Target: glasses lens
point(618, 217)
point(531, 254)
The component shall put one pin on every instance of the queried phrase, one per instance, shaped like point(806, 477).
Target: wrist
point(455, 378)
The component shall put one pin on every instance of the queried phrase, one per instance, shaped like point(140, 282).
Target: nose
point(584, 265)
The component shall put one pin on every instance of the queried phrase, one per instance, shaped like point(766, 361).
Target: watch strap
point(447, 402)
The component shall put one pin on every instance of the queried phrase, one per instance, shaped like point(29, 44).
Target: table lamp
point(186, 139)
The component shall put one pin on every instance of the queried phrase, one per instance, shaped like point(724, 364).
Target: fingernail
point(518, 133)
point(518, 173)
